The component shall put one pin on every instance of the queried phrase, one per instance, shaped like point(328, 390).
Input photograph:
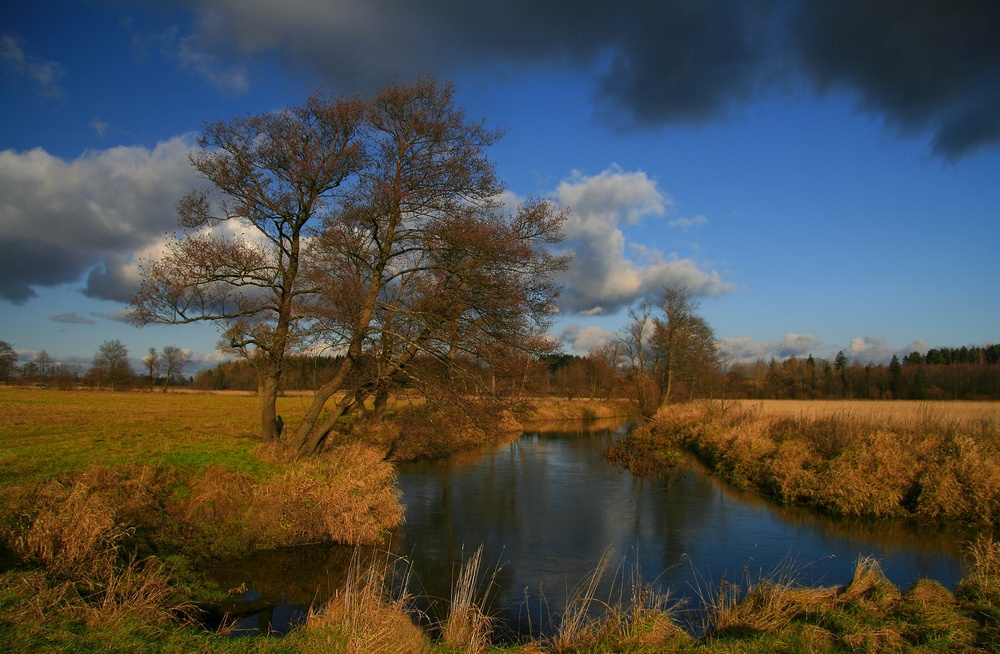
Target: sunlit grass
point(45, 433)
point(877, 460)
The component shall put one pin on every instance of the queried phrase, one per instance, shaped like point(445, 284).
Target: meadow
point(109, 501)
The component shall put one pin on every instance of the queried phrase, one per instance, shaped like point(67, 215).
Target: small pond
point(547, 507)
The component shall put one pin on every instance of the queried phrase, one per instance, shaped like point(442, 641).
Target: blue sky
point(822, 176)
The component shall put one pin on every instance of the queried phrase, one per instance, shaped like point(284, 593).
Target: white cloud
point(607, 272)
point(743, 350)
point(59, 218)
point(875, 349)
point(688, 224)
point(581, 339)
point(864, 349)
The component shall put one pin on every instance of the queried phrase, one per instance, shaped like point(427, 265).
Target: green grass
point(45, 434)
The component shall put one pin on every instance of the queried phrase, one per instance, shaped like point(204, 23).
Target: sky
point(822, 177)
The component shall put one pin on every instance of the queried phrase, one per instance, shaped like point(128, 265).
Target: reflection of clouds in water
point(548, 506)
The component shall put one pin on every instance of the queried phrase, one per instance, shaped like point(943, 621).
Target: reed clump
point(345, 495)
point(468, 626)
point(921, 466)
point(369, 615)
point(82, 566)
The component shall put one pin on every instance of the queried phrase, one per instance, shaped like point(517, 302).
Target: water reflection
point(547, 507)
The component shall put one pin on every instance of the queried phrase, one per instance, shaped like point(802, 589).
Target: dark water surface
point(547, 507)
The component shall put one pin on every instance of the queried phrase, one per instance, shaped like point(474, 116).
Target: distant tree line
point(965, 373)
point(111, 369)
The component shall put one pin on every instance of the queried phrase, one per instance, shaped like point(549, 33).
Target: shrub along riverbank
point(874, 460)
point(108, 502)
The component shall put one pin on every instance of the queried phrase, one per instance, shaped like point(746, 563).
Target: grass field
point(106, 499)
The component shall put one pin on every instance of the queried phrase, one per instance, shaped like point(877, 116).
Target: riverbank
point(873, 460)
point(109, 500)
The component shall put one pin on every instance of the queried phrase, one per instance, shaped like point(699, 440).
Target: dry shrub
point(870, 479)
point(982, 583)
point(792, 472)
point(869, 589)
point(579, 629)
point(962, 484)
point(74, 534)
point(368, 616)
point(468, 627)
point(644, 620)
point(345, 495)
point(76, 539)
point(743, 451)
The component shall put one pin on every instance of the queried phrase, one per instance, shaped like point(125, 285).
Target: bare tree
point(272, 175)
point(641, 357)
point(152, 361)
point(414, 256)
point(685, 343)
point(172, 362)
point(111, 365)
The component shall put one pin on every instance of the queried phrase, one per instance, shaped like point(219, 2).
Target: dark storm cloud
point(923, 65)
point(59, 219)
point(930, 67)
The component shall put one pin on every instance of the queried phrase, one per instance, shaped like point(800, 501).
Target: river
point(547, 507)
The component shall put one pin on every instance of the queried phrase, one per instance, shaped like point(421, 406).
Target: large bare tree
point(271, 175)
point(409, 255)
point(424, 261)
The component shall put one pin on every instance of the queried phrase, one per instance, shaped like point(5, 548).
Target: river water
point(547, 507)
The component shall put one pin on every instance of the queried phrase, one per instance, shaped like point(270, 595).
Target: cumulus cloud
point(744, 350)
point(929, 67)
point(581, 339)
point(59, 219)
point(863, 349)
point(72, 318)
point(875, 349)
point(607, 273)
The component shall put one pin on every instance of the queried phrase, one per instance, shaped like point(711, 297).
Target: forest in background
point(965, 373)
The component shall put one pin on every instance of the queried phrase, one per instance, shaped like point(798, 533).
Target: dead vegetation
point(911, 463)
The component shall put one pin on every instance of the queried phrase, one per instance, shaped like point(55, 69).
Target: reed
point(468, 626)
point(368, 616)
point(883, 462)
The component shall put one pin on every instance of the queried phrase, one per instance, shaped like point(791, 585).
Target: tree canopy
point(375, 232)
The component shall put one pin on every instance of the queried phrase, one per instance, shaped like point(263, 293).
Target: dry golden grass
point(468, 627)
point(368, 616)
point(878, 460)
point(897, 411)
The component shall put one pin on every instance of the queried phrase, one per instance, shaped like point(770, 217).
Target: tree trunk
point(268, 407)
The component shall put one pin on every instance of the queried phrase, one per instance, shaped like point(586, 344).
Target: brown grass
point(468, 627)
point(344, 495)
point(873, 459)
point(369, 615)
